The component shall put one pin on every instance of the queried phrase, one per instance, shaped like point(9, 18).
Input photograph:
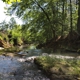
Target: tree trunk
point(78, 20)
point(71, 28)
point(63, 18)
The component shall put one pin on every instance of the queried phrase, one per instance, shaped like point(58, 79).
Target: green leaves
point(43, 19)
point(10, 1)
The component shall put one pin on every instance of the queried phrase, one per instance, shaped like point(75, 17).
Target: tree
point(78, 20)
point(71, 16)
point(4, 26)
point(12, 23)
point(48, 18)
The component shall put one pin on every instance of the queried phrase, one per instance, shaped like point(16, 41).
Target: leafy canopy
point(10, 1)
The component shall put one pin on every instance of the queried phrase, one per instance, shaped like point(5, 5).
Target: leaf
point(10, 1)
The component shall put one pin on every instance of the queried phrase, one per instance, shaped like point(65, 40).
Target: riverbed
point(20, 68)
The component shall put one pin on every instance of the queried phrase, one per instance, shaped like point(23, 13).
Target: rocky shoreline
point(59, 70)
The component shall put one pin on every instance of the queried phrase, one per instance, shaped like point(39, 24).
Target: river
point(23, 68)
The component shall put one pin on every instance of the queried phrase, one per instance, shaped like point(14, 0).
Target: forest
point(46, 25)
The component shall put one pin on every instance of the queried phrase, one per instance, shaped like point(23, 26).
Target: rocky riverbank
point(59, 69)
point(13, 66)
point(55, 66)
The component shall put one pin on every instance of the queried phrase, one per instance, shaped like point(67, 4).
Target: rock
point(78, 78)
point(1, 48)
point(54, 70)
point(45, 54)
point(62, 77)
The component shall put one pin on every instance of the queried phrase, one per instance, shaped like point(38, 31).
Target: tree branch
point(43, 11)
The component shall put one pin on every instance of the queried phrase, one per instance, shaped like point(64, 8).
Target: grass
point(63, 66)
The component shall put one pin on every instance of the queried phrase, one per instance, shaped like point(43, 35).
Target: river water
point(17, 68)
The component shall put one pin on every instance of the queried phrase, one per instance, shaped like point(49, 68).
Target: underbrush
point(11, 49)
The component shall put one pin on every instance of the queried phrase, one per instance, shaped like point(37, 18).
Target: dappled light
point(40, 40)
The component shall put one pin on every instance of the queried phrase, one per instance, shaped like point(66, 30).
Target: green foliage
point(1, 38)
point(16, 34)
point(43, 20)
point(10, 1)
point(16, 31)
point(11, 49)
